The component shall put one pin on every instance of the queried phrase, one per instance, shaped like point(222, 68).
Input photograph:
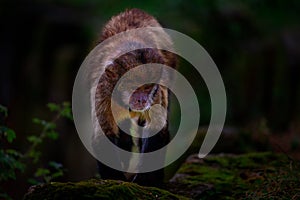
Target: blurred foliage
point(254, 43)
point(12, 160)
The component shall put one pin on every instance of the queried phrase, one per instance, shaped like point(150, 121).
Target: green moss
point(248, 176)
point(98, 189)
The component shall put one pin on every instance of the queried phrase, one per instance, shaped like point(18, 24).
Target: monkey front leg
point(150, 144)
point(119, 140)
point(105, 171)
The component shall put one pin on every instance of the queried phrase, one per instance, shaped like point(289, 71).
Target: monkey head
point(143, 97)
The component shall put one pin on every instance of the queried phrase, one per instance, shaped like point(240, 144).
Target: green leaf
point(66, 104)
point(57, 174)
point(50, 125)
point(33, 181)
point(52, 135)
point(34, 139)
point(14, 153)
point(43, 122)
point(55, 165)
point(66, 111)
point(19, 165)
point(36, 120)
point(53, 107)
point(10, 135)
point(9, 164)
point(35, 155)
point(41, 172)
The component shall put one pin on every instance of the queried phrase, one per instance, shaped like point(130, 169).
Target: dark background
point(255, 45)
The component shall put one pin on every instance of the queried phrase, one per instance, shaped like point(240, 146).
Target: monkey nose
point(138, 101)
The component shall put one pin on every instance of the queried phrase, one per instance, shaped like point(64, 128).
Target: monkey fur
point(113, 67)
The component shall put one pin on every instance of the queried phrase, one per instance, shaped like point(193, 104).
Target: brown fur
point(130, 19)
point(107, 60)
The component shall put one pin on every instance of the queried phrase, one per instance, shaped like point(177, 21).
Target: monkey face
point(140, 102)
point(143, 98)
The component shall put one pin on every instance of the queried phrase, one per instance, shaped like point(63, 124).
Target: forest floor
point(263, 175)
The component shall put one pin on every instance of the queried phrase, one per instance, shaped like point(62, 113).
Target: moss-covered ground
point(223, 176)
point(247, 176)
point(97, 189)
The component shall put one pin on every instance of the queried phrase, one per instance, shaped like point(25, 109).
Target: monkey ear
point(150, 55)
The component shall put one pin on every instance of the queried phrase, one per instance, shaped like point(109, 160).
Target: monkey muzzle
point(142, 98)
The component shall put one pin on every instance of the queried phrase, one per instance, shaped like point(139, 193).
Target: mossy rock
point(247, 176)
point(97, 189)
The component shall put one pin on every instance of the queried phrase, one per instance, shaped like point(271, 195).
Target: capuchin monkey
point(114, 66)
